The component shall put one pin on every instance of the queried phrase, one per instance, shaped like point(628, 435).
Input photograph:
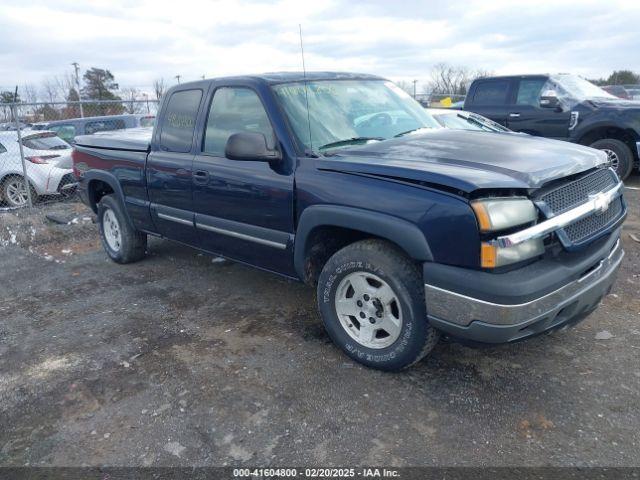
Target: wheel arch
point(324, 229)
point(608, 131)
point(101, 183)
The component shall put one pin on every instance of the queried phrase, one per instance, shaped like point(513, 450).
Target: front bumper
point(484, 321)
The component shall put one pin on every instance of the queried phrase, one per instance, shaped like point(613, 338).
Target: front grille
point(581, 230)
point(572, 194)
point(564, 197)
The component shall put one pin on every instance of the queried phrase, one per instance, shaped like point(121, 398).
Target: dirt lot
point(183, 359)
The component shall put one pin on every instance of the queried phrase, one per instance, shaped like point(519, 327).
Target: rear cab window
point(491, 92)
point(179, 121)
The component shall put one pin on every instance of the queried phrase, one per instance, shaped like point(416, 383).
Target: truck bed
point(132, 139)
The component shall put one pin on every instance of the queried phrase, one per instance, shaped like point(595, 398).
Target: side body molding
point(401, 232)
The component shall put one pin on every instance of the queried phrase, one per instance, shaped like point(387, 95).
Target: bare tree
point(50, 90)
point(29, 93)
point(64, 84)
point(158, 88)
point(405, 85)
point(130, 97)
point(451, 79)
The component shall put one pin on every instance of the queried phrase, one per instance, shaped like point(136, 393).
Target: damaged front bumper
point(516, 311)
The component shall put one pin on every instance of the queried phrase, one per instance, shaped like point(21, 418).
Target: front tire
point(122, 243)
point(619, 154)
point(371, 300)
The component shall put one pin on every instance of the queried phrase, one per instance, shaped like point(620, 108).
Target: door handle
point(201, 176)
point(514, 115)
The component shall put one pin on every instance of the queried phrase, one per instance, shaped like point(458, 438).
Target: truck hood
point(467, 160)
point(132, 139)
point(615, 103)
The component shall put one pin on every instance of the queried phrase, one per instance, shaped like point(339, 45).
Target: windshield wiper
point(349, 141)
point(474, 121)
point(401, 134)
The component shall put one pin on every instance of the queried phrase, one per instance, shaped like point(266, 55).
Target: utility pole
point(27, 183)
point(177, 77)
point(76, 67)
point(414, 89)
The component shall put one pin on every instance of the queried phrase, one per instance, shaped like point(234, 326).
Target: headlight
point(501, 213)
point(497, 214)
point(492, 256)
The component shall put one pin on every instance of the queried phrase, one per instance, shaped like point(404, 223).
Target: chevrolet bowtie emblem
point(600, 201)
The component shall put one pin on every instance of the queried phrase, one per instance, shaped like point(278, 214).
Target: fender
point(584, 128)
point(401, 232)
point(110, 180)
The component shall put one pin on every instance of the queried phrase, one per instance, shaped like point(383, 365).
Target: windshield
point(578, 88)
point(344, 112)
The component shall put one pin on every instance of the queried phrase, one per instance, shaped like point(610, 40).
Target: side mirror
point(549, 99)
point(250, 146)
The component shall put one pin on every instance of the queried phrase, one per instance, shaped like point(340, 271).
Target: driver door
point(526, 115)
point(243, 209)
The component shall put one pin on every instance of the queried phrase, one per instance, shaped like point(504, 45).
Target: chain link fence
point(36, 142)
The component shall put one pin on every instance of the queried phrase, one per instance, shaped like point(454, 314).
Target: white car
point(48, 164)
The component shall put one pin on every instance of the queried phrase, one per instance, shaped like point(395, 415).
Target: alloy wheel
point(369, 310)
point(612, 157)
point(111, 229)
point(16, 192)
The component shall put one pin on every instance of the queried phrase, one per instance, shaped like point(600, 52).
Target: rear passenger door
point(526, 115)
point(489, 98)
point(244, 209)
point(169, 181)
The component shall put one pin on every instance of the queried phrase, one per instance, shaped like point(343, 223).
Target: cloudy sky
point(140, 41)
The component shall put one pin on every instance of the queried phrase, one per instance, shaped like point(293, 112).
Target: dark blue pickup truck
point(344, 182)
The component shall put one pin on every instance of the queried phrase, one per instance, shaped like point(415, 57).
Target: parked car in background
point(11, 126)
point(343, 181)
point(633, 91)
point(48, 164)
point(461, 120)
point(71, 128)
point(564, 107)
point(617, 91)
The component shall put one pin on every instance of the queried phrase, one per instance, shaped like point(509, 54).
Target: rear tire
point(619, 154)
point(371, 299)
point(14, 193)
point(122, 243)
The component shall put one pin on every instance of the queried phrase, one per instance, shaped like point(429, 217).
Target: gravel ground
point(185, 359)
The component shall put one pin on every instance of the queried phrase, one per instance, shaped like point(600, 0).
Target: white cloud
point(144, 40)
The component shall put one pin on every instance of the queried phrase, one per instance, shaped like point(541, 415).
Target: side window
point(491, 93)
point(2, 149)
point(179, 121)
point(65, 132)
point(234, 110)
point(104, 126)
point(529, 91)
